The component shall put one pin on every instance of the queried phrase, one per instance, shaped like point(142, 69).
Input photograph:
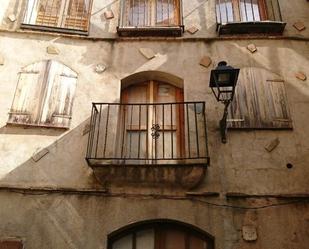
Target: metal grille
point(61, 14)
point(150, 13)
point(231, 11)
point(135, 134)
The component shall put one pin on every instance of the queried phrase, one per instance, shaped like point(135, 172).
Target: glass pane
point(175, 240)
point(123, 243)
point(145, 239)
point(224, 11)
point(249, 10)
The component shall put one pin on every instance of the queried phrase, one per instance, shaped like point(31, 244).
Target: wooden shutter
point(48, 13)
point(57, 106)
point(77, 14)
point(44, 95)
point(260, 102)
point(26, 101)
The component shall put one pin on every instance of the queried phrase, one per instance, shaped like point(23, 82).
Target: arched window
point(44, 95)
point(160, 234)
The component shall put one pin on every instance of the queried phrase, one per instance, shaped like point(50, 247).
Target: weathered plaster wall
point(241, 161)
point(53, 221)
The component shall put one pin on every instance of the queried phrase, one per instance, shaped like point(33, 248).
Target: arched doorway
point(160, 234)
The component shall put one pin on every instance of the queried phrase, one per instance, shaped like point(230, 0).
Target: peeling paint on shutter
point(259, 103)
point(26, 99)
point(44, 95)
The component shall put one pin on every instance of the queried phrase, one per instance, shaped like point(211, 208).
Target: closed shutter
point(57, 107)
point(260, 102)
point(44, 95)
point(27, 97)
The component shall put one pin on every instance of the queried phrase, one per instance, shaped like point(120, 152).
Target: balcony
point(148, 144)
point(150, 18)
point(249, 17)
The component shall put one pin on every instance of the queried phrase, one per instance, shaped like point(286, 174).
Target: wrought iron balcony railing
point(148, 134)
point(249, 16)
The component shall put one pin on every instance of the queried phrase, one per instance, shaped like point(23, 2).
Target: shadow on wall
point(62, 164)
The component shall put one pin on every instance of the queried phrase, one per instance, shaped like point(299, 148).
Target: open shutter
point(260, 102)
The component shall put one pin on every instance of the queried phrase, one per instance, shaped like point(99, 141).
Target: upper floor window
point(249, 16)
point(150, 17)
point(160, 234)
point(71, 16)
point(44, 95)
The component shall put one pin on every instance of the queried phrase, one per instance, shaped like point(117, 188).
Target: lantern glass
point(223, 78)
point(223, 81)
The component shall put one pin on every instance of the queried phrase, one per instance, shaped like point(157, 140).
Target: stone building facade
point(58, 57)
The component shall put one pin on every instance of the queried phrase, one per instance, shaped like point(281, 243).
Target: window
point(58, 15)
point(44, 95)
point(160, 235)
point(249, 16)
point(260, 101)
point(150, 17)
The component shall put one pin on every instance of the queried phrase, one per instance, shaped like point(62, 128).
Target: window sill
point(150, 31)
point(54, 29)
point(263, 27)
point(47, 126)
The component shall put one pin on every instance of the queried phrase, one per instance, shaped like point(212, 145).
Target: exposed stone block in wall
point(52, 50)
point(252, 48)
point(147, 52)
point(100, 68)
point(300, 26)
point(272, 145)
point(205, 61)
point(249, 233)
point(12, 18)
point(109, 14)
point(37, 156)
point(301, 76)
point(192, 30)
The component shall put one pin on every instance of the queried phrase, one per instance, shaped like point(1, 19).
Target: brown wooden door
point(152, 131)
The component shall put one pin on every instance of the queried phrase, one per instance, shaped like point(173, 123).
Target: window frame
point(64, 9)
point(158, 225)
point(123, 29)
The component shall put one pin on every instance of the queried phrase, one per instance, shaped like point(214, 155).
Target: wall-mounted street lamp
point(223, 81)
